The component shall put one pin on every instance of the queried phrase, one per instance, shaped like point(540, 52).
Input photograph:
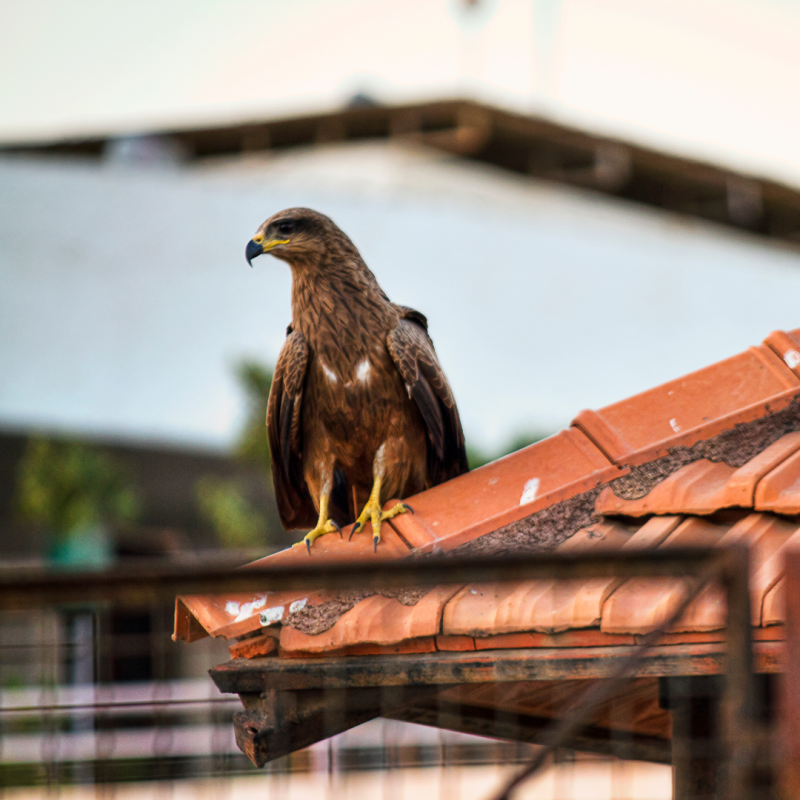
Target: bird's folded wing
point(285, 435)
point(413, 354)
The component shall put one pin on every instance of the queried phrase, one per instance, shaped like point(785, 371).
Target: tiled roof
point(708, 459)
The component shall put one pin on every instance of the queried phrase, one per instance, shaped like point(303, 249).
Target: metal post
point(739, 733)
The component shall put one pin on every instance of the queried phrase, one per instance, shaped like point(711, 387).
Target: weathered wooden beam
point(258, 675)
point(274, 723)
point(525, 728)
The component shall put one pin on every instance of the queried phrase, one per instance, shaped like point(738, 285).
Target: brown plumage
point(360, 409)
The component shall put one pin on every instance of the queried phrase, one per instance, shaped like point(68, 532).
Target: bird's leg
point(324, 524)
point(372, 510)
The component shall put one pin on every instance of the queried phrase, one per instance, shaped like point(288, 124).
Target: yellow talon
point(372, 512)
point(322, 528)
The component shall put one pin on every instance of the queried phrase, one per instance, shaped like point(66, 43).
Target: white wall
point(126, 298)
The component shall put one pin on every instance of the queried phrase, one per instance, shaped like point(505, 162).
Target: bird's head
point(296, 235)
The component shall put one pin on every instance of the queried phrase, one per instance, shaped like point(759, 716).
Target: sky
point(715, 79)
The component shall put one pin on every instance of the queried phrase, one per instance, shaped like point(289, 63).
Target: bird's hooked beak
point(258, 245)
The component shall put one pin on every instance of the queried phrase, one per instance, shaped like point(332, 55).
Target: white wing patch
point(363, 370)
point(329, 373)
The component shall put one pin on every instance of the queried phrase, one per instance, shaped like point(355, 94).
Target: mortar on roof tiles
point(539, 532)
point(735, 447)
point(320, 618)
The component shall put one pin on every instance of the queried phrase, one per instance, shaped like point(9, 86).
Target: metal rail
point(140, 583)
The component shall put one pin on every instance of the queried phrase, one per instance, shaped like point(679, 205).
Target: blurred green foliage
point(66, 486)
point(223, 505)
point(256, 380)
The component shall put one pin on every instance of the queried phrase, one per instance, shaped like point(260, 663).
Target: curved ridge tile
point(375, 620)
point(766, 536)
point(641, 604)
point(693, 407)
point(704, 486)
point(510, 607)
point(779, 491)
point(575, 604)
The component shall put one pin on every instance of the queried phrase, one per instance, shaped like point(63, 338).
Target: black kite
point(360, 408)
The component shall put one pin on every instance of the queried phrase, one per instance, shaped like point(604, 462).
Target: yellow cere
point(273, 243)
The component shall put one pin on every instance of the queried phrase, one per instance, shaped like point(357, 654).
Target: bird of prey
point(359, 409)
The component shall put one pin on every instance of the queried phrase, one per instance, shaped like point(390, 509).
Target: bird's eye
point(285, 228)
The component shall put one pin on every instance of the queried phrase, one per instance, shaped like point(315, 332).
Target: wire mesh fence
point(97, 698)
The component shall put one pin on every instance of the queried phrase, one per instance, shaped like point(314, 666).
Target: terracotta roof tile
point(773, 610)
point(698, 405)
point(425, 644)
point(481, 609)
point(263, 645)
point(583, 638)
point(375, 620)
point(236, 614)
point(455, 643)
point(769, 580)
point(641, 604)
point(330, 547)
point(579, 603)
point(704, 486)
point(504, 491)
point(780, 490)
point(786, 346)
point(765, 535)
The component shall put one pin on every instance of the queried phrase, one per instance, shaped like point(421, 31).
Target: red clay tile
point(787, 347)
point(455, 643)
point(187, 628)
point(641, 604)
point(375, 620)
point(774, 633)
point(770, 569)
point(770, 581)
point(694, 407)
point(425, 644)
point(773, 610)
point(584, 638)
point(780, 490)
point(766, 536)
point(236, 614)
point(579, 603)
point(262, 645)
point(508, 607)
point(504, 491)
point(331, 548)
point(233, 615)
point(703, 486)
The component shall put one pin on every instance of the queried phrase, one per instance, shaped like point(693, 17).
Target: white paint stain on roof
point(272, 615)
point(529, 491)
point(244, 610)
